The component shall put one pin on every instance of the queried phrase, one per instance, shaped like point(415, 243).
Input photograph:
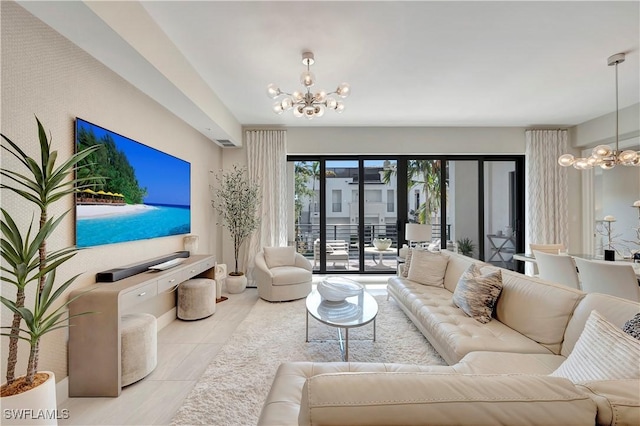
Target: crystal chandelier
point(603, 155)
point(307, 104)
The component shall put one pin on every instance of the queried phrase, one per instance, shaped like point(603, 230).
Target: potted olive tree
point(236, 202)
point(27, 262)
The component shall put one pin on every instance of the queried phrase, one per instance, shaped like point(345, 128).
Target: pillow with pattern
point(407, 263)
point(476, 294)
point(602, 352)
point(632, 327)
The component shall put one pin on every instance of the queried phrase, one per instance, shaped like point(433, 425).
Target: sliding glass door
point(346, 207)
point(380, 216)
point(340, 237)
point(500, 213)
point(463, 201)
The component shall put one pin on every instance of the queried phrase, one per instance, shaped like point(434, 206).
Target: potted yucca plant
point(236, 202)
point(27, 262)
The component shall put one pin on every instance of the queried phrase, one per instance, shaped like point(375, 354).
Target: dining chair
point(557, 268)
point(547, 248)
point(544, 248)
point(616, 279)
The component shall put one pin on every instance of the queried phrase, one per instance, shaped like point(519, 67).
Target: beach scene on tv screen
point(137, 192)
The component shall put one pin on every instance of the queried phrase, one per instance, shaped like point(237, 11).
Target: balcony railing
point(308, 233)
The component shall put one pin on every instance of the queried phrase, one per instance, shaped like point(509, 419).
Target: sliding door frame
point(402, 197)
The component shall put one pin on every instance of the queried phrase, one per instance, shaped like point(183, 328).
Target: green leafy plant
point(466, 246)
point(26, 259)
point(426, 174)
point(236, 202)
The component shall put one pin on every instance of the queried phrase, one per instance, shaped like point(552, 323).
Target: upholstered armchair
point(282, 274)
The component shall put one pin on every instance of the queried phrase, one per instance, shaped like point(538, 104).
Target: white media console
point(94, 339)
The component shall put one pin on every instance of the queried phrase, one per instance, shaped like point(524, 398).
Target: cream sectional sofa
point(498, 372)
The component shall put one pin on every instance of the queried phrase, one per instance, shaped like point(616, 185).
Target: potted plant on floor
point(466, 246)
point(236, 202)
point(26, 262)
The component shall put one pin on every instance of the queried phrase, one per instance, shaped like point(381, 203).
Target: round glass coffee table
point(354, 311)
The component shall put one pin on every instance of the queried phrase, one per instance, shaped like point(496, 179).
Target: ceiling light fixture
point(603, 155)
point(308, 104)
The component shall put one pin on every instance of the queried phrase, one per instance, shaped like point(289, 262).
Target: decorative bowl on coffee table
point(336, 289)
point(382, 243)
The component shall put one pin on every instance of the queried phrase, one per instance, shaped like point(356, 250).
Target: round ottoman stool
point(196, 298)
point(138, 347)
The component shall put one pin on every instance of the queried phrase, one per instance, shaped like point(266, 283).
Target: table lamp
point(417, 233)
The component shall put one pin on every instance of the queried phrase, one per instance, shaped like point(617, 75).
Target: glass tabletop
point(354, 311)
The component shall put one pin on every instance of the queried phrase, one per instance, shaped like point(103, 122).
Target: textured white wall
point(44, 74)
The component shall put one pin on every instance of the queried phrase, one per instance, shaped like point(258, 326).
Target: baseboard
point(167, 318)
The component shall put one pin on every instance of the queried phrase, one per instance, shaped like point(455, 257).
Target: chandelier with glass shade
point(603, 155)
point(306, 103)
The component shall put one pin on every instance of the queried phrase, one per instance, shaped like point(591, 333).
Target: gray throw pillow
point(476, 294)
point(632, 327)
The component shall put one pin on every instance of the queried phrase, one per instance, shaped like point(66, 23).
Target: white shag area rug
point(234, 386)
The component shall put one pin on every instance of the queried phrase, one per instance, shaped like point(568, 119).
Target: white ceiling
point(415, 63)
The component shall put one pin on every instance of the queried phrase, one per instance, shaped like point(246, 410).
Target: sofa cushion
point(282, 404)
point(632, 327)
point(538, 309)
point(279, 256)
point(476, 294)
point(287, 275)
point(508, 363)
point(451, 332)
point(603, 352)
point(428, 268)
point(442, 399)
point(456, 266)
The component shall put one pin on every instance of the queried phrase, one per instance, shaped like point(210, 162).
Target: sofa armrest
point(618, 400)
point(442, 399)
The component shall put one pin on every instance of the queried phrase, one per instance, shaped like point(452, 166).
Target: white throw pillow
point(602, 352)
point(428, 268)
point(434, 246)
point(476, 293)
point(279, 256)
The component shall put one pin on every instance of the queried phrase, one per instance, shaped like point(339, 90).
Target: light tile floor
point(185, 349)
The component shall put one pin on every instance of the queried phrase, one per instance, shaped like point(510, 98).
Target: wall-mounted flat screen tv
point(136, 193)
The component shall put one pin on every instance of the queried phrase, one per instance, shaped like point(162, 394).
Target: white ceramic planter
point(236, 284)
point(35, 407)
